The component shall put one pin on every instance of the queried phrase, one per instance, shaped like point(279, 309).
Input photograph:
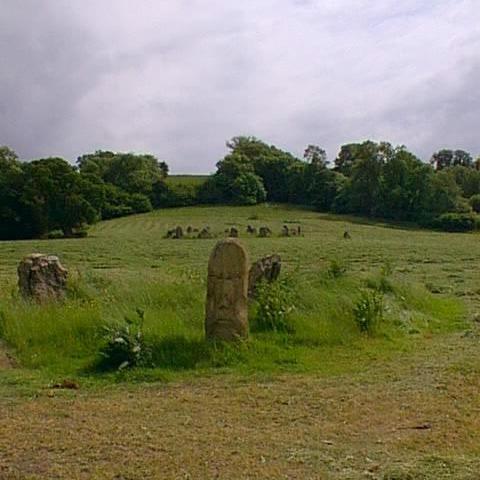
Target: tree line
point(52, 198)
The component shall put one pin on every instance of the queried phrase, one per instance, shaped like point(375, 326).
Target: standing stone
point(264, 232)
point(205, 233)
point(227, 292)
point(233, 232)
point(42, 278)
point(285, 231)
point(178, 232)
point(265, 269)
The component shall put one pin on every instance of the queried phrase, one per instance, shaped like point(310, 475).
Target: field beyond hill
point(320, 399)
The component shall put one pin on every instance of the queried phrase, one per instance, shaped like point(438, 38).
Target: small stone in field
point(205, 233)
point(178, 232)
point(42, 278)
point(264, 232)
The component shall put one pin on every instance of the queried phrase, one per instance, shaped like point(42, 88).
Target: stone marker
point(42, 278)
point(233, 232)
point(205, 233)
point(264, 232)
point(178, 232)
point(227, 292)
point(265, 269)
point(285, 231)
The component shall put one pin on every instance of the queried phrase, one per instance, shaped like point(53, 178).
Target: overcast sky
point(177, 78)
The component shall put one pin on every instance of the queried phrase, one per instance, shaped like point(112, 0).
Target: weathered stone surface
point(285, 231)
point(178, 232)
point(226, 315)
point(233, 232)
point(205, 233)
point(265, 269)
point(42, 278)
point(264, 232)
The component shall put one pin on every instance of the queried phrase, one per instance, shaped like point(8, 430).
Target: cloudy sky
point(177, 78)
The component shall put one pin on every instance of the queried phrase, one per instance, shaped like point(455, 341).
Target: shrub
point(55, 234)
point(457, 222)
point(175, 195)
point(125, 345)
point(139, 203)
point(475, 202)
point(336, 269)
point(368, 311)
point(274, 304)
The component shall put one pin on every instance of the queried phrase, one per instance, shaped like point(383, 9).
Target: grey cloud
point(179, 78)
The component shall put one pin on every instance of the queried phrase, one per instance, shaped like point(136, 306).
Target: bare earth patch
point(416, 417)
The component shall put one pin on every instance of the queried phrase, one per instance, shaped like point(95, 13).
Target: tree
point(130, 172)
point(271, 164)
point(235, 182)
point(53, 194)
point(11, 184)
point(315, 155)
point(448, 158)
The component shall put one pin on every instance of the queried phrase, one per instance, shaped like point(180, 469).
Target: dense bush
point(125, 344)
point(474, 201)
point(368, 311)
point(175, 195)
point(457, 222)
point(275, 302)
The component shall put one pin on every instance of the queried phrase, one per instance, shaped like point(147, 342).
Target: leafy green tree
point(404, 186)
point(12, 210)
point(468, 179)
point(236, 182)
point(449, 158)
point(271, 164)
point(315, 155)
point(130, 172)
point(53, 193)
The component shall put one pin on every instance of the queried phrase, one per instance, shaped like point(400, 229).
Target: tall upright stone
point(42, 278)
point(265, 269)
point(227, 292)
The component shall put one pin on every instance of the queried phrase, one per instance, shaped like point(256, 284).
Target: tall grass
point(66, 338)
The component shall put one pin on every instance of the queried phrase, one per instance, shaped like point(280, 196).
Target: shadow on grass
point(180, 353)
point(375, 222)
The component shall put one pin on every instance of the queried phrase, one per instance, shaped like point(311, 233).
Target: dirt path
point(417, 417)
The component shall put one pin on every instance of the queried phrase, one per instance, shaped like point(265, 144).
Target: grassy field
point(323, 402)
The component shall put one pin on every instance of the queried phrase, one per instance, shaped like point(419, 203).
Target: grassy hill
point(322, 401)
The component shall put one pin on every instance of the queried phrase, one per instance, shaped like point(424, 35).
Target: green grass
point(127, 263)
